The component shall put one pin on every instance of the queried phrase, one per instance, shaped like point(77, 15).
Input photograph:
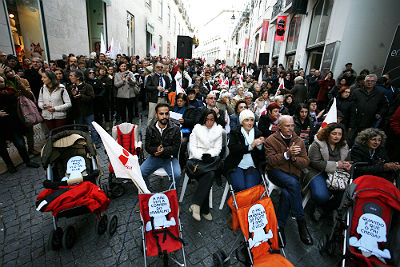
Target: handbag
point(338, 180)
point(28, 111)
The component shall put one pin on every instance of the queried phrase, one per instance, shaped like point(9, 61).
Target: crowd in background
point(250, 103)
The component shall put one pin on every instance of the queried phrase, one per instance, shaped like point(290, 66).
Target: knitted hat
point(149, 69)
point(245, 114)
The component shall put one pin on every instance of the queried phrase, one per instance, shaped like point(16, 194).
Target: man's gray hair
point(276, 98)
point(372, 75)
point(281, 118)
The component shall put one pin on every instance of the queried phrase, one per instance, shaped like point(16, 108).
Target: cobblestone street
point(25, 232)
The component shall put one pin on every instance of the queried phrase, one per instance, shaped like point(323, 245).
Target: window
point(169, 18)
point(160, 14)
point(320, 22)
point(293, 34)
point(160, 46)
point(130, 33)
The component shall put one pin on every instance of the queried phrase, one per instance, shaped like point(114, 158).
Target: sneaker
point(32, 164)
point(208, 216)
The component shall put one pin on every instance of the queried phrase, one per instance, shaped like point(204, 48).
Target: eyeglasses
point(159, 67)
point(212, 98)
point(91, 72)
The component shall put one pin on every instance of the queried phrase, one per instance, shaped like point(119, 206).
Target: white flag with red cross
point(331, 116)
point(179, 89)
point(226, 82)
point(125, 164)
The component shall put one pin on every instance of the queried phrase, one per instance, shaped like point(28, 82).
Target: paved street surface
point(24, 231)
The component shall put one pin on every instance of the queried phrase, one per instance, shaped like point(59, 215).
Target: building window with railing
point(293, 34)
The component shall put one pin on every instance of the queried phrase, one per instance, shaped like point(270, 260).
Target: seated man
point(162, 141)
point(211, 102)
point(287, 156)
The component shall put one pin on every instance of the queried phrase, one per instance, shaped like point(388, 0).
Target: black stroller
point(75, 149)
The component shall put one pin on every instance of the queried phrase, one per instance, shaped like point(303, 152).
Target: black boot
point(304, 233)
point(281, 237)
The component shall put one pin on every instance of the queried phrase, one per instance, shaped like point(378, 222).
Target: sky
point(201, 11)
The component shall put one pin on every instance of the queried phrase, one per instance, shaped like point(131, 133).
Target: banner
point(331, 116)
point(280, 28)
point(246, 44)
point(264, 31)
point(393, 60)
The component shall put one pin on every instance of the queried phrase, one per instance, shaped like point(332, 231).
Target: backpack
point(28, 111)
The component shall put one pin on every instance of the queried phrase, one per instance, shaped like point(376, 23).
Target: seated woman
point(328, 153)
point(369, 147)
point(303, 126)
point(205, 145)
point(289, 104)
point(245, 153)
point(268, 123)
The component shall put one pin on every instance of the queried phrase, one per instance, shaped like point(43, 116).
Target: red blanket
point(67, 197)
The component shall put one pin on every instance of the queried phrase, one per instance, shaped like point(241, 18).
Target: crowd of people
point(257, 118)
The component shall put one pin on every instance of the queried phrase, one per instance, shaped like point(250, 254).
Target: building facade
point(51, 28)
point(321, 34)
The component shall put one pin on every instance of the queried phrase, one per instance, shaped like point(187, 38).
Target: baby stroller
point(161, 227)
point(129, 137)
point(72, 179)
point(368, 224)
point(253, 212)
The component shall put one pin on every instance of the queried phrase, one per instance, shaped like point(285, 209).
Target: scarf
point(248, 137)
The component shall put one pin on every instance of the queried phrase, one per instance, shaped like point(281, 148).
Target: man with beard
point(162, 142)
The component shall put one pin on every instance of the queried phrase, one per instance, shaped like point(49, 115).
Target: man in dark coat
point(313, 86)
point(211, 102)
point(162, 142)
point(34, 76)
point(157, 88)
point(370, 105)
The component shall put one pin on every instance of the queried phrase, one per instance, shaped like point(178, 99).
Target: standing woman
point(205, 145)
point(245, 153)
point(104, 100)
point(325, 85)
point(59, 72)
point(54, 101)
point(125, 82)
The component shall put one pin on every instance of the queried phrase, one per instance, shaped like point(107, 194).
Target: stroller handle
point(73, 126)
point(354, 166)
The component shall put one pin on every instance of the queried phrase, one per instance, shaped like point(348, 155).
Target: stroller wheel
point(117, 190)
point(69, 236)
point(55, 239)
point(112, 225)
point(101, 225)
point(218, 258)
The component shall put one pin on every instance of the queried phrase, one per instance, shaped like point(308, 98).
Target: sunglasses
point(214, 98)
point(91, 72)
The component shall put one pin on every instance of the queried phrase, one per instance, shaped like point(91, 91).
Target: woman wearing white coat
point(54, 101)
point(205, 145)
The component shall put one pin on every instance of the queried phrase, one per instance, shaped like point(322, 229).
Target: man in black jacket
point(370, 105)
point(157, 88)
point(211, 102)
point(34, 76)
point(163, 140)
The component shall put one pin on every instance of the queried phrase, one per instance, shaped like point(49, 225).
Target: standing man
point(287, 156)
point(313, 84)
point(34, 76)
point(157, 88)
point(370, 105)
point(163, 140)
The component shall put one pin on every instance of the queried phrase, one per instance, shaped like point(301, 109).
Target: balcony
point(277, 8)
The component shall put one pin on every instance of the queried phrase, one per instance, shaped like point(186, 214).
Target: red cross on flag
point(124, 163)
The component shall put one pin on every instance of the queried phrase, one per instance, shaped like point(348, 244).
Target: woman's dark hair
point(299, 108)
point(238, 103)
point(183, 97)
point(205, 114)
point(330, 73)
point(323, 134)
point(181, 67)
point(311, 100)
point(119, 65)
point(53, 79)
point(101, 67)
point(78, 74)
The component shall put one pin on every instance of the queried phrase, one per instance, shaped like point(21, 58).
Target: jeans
point(243, 179)
point(319, 191)
point(290, 198)
point(152, 163)
point(87, 120)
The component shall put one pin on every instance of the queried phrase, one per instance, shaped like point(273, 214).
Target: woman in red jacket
point(325, 85)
